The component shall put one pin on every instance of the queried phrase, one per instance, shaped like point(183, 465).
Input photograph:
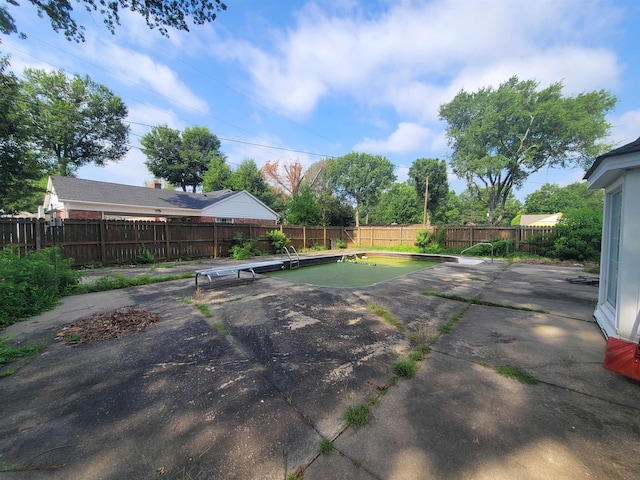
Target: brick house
point(74, 198)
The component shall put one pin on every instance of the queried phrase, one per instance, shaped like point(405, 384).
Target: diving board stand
point(215, 272)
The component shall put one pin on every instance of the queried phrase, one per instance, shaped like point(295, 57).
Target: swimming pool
point(365, 271)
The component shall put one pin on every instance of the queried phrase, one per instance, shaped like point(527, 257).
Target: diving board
point(215, 272)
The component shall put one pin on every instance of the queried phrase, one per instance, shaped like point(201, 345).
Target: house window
point(224, 220)
point(613, 248)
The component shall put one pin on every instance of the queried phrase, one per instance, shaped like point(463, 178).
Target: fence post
point(103, 242)
point(215, 240)
point(471, 236)
point(304, 236)
point(324, 236)
point(167, 240)
point(37, 225)
point(518, 234)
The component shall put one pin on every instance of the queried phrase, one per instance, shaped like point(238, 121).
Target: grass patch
point(477, 301)
point(594, 269)
point(204, 309)
point(517, 374)
point(326, 447)
point(357, 416)
point(297, 475)
point(446, 328)
point(11, 354)
point(73, 339)
point(115, 281)
point(416, 356)
point(405, 368)
point(477, 279)
point(188, 301)
point(386, 316)
point(222, 328)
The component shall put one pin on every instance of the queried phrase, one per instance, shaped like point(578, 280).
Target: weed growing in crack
point(357, 416)
point(221, 327)
point(517, 374)
point(405, 368)
point(326, 447)
point(204, 309)
point(386, 316)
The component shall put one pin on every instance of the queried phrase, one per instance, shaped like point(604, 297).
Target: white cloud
point(139, 69)
point(625, 128)
point(407, 138)
point(417, 55)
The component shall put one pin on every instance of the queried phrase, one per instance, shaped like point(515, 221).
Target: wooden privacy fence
point(524, 238)
point(110, 242)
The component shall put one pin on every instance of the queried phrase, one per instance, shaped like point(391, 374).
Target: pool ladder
point(294, 262)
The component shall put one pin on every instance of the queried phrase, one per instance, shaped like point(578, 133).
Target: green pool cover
point(364, 272)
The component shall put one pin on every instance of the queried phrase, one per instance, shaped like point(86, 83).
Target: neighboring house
point(618, 309)
point(540, 220)
point(73, 198)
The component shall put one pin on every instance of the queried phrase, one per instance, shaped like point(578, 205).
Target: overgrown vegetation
point(278, 240)
point(34, 282)
point(10, 354)
point(243, 249)
point(114, 281)
point(578, 235)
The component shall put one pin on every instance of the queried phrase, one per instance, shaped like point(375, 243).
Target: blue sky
point(327, 77)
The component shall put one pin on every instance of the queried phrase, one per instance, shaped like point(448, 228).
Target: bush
point(278, 240)
point(578, 235)
point(243, 249)
point(33, 284)
point(423, 239)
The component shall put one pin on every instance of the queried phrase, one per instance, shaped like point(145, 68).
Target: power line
point(246, 143)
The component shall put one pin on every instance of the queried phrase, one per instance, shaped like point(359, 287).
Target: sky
point(291, 80)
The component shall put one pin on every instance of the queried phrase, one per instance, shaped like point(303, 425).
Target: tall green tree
point(361, 177)
point(217, 175)
point(502, 136)
point(20, 169)
point(436, 171)
point(73, 121)
point(303, 208)
point(399, 204)
point(552, 198)
point(160, 14)
point(181, 159)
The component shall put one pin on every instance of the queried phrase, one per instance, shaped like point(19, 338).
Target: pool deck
point(185, 400)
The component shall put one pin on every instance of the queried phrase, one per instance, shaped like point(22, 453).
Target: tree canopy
point(181, 159)
point(436, 171)
point(289, 181)
point(502, 136)
point(552, 198)
point(73, 121)
point(160, 14)
point(399, 204)
point(303, 208)
point(20, 168)
point(361, 177)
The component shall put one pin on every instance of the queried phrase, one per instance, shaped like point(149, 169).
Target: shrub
point(340, 243)
point(423, 239)
point(578, 235)
point(34, 283)
point(145, 256)
point(278, 240)
point(243, 249)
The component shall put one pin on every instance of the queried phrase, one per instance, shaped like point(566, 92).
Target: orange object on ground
point(623, 357)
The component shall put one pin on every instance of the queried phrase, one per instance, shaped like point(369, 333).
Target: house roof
point(601, 173)
point(69, 189)
point(540, 220)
